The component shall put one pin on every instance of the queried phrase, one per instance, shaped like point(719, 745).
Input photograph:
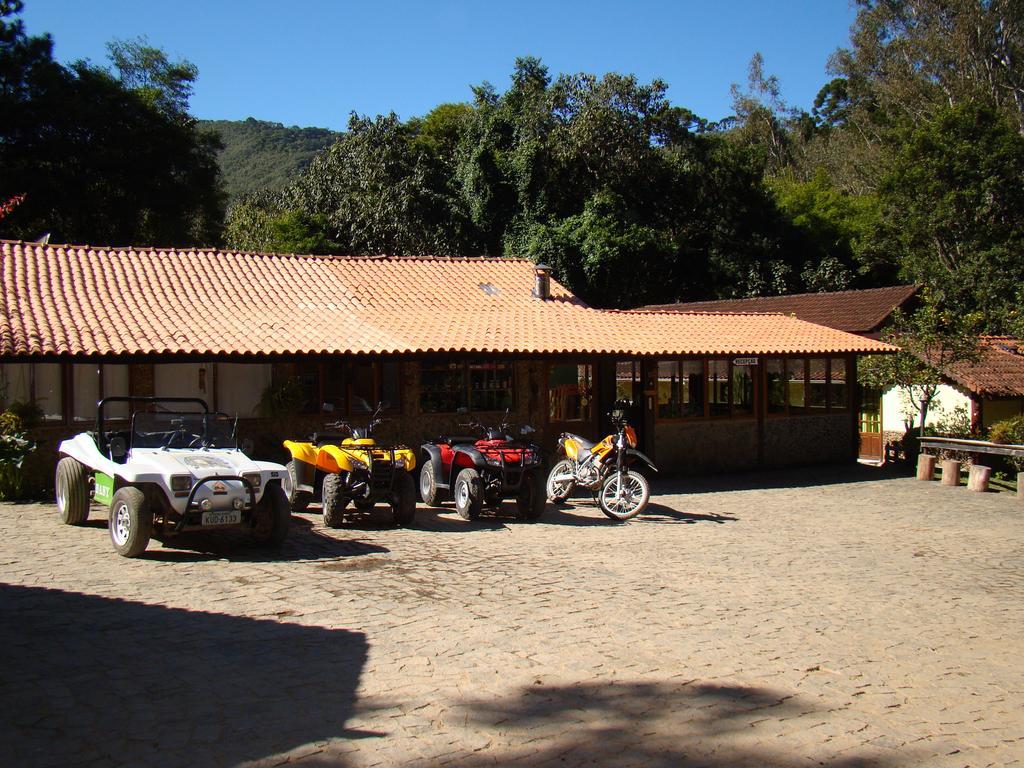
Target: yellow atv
point(352, 468)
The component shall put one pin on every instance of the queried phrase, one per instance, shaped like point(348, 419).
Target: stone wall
point(708, 446)
point(811, 439)
point(723, 445)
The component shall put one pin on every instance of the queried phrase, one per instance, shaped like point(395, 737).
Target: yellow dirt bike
point(603, 469)
point(352, 468)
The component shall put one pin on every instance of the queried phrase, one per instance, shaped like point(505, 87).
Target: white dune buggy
point(177, 467)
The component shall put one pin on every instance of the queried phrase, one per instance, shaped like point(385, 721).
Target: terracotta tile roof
point(862, 311)
point(81, 300)
point(999, 370)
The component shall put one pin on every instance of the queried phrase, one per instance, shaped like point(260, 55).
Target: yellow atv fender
point(304, 452)
point(333, 458)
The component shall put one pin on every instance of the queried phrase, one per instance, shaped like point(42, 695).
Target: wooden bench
point(979, 475)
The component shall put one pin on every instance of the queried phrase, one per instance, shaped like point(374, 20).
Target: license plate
point(231, 517)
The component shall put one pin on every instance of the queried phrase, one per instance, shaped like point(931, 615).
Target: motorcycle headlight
point(181, 484)
point(255, 478)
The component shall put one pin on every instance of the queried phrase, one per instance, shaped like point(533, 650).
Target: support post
point(978, 480)
point(925, 466)
point(951, 472)
point(1020, 487)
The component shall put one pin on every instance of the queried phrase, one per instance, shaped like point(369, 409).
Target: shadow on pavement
point(91, 679)
point(305, 542)
point(801, 477)
point(650, 724)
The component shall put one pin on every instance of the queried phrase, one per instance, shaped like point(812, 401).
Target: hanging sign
point(745, 361)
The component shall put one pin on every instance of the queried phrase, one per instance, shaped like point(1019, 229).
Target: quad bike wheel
point(531, 497)
point(273, 517)
point(628, 503)
point(131, 522)
point(299, 499)
point(428, 484)
point(334, 501)
point(558, 491)
point(72, 486)
point(468, 498)
point(403, 504)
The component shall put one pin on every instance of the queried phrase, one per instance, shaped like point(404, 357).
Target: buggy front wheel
point(131, 522)
point(273, 517)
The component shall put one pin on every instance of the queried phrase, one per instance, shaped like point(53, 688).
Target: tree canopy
point(102, 156)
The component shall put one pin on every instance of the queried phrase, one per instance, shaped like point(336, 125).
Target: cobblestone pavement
point(842, 617)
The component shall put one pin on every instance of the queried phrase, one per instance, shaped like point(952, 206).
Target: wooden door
point(871, 425)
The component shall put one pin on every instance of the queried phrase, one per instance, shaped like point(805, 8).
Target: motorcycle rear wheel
point(558, 491)
point(628, 503)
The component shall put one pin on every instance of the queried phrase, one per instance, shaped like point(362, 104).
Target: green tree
point(143, 178)
point(953, 209)
point(931, 340)
point(145, 70)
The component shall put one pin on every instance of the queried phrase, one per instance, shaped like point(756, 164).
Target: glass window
point(48, 387)
point(442, 386)
point(391, 385)
point(239, 387)
point(838, 396)
point(363, 395)
point(490, 386)
point(85, 384)
point(817, 382)
point(743, 390)
point(184, 380)
point(670, 395)
point(570, 392)
point(627, 381)
point(325, 385)
point(775, 379)
point(718, 387)
point(116, 383)
point(692, 376)
point(15, 383)
point(797, 375)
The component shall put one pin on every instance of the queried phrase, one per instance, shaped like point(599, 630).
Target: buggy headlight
point(255, 478)
point(181, 484)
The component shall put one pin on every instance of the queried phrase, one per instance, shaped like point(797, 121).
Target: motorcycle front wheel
point(557, 489)
point(627, 501)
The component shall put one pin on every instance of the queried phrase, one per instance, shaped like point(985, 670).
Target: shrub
point(15, 446)
point(1009, 432)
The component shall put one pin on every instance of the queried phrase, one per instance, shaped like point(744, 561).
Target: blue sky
point(311, 62)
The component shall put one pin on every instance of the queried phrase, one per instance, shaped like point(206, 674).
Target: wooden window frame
point(467, 392)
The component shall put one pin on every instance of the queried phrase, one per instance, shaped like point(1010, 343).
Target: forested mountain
point(258, 155)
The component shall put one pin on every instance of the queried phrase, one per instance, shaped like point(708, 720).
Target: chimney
point(542, 281)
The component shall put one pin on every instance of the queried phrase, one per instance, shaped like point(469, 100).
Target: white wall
point(896, 408)
point(239, 385)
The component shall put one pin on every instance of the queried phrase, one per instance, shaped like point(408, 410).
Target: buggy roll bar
point(131, 400)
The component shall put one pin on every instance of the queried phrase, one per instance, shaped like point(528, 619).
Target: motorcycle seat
point(585, 444)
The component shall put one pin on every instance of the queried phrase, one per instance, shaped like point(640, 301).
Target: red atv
point(485, 469)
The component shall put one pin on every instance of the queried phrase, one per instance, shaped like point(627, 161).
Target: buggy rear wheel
point(72, 486)
point(131, 522)
point(334, 501)
point(403, 503)
point(273, 517)
point(531, 497)
point(468, 496)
